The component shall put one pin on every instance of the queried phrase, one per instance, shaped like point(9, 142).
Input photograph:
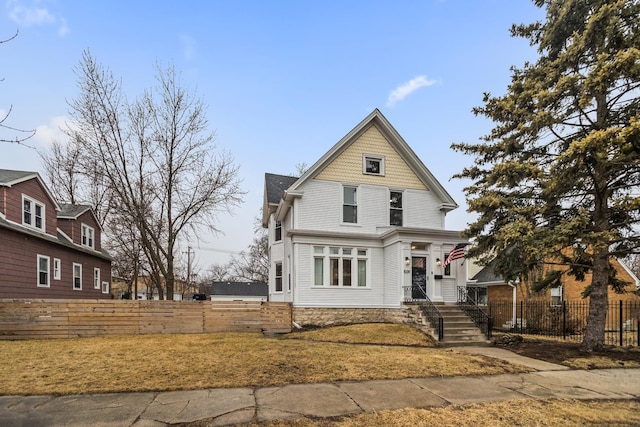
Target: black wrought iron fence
point(566, 320)
point(417, 294)
point(477, 313)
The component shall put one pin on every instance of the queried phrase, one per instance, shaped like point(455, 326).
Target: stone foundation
point(308, 317)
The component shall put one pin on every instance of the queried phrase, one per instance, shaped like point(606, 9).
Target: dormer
point(80, 225)
point(26, 201)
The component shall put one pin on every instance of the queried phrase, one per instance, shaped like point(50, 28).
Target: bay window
point(346, 267)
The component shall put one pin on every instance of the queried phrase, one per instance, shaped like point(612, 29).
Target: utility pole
point(189, 252)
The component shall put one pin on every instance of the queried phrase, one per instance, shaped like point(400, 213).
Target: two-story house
point(49, 250)
point(361, 231)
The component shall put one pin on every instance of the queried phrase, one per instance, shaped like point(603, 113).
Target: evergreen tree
point(557, 179)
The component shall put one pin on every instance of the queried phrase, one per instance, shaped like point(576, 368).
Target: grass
point(570, 353)
point(540, 413)
point(188, 362)
point(357, 352)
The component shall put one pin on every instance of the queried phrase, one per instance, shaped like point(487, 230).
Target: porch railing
point(418, 295)
point(469, 304)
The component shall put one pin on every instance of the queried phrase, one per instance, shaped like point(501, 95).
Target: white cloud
point(29, 14)
point(48, 133)
point(404, 90)
point(189, 46)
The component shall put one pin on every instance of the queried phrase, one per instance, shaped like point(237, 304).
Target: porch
point(449, 324)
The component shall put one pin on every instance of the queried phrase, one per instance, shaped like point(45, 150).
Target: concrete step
point(459, 329)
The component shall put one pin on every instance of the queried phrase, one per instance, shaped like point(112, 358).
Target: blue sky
point(283, 80)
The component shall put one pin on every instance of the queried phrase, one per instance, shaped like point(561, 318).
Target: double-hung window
point(43, 271)
point(350, 204)
point(447, 266)
point(278, 231)
point(278, 277)
point(395, 208)
point(56, 269)
point(96, 278)
point(318, 266)
point(556, 295)
point(87, 236)
point(77, 277)
point(340, 267)
point(33, 213)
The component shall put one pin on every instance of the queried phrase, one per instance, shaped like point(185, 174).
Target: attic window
point(372, 165)
point(33, 213)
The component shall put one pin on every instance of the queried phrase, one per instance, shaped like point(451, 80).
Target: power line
point(227, 251)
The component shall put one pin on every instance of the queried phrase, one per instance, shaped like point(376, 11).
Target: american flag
point(456, 253)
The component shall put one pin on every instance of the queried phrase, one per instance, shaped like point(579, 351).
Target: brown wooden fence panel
point(102, 317)
point(34, 319)
point(28, 319)
point(233, 316)
point(276, 317)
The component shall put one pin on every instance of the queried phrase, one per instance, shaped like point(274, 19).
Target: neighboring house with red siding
point(49, 250)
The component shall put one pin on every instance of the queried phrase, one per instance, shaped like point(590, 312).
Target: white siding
point(391, 275)
point(308, 295)
point(304, 274)
point(421, 210)
point(320, 208)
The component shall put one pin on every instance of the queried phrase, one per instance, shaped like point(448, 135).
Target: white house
point(362, 229)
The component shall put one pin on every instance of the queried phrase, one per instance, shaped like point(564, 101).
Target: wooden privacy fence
point(27, 319)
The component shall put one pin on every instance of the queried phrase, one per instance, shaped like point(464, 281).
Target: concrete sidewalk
point(243, 405)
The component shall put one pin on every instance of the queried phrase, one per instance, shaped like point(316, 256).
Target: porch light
point(438, 262)
point(407, 261)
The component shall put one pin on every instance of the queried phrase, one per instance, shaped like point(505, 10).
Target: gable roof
point(59, 239)
point(73, 212)
point(279, 189)
point(248, 289)
point(10, 178)
point(376, 118)
point(274, 188)
point(69, 211)
point(488, 275)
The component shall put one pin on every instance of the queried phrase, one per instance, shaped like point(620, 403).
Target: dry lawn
point(570, 353)
point(540, 413)
point(188, 362)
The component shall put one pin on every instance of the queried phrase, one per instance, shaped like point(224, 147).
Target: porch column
point(436, 270)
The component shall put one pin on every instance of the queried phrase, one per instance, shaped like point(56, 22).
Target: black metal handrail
point(432, 313)
point(470, 306)
point(428, 308)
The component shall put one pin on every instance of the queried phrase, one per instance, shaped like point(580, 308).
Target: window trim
point(278, 231)
point(374, 157)
point(355, 205)
point(277, 283)
point(336, 256)
point(73, 283)
point(32, 214)
point(48, 272)
point(96, 278)
point(91, 236)
point(446, 270)
point(558, 298)
point(105, 287)
point(401, 208)
point(57, 269)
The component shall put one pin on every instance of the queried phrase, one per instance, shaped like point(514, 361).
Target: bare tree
point(21, 134)
point(157, 159)
point(252, 265)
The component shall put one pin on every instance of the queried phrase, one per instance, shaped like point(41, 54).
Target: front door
point(418, 277)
